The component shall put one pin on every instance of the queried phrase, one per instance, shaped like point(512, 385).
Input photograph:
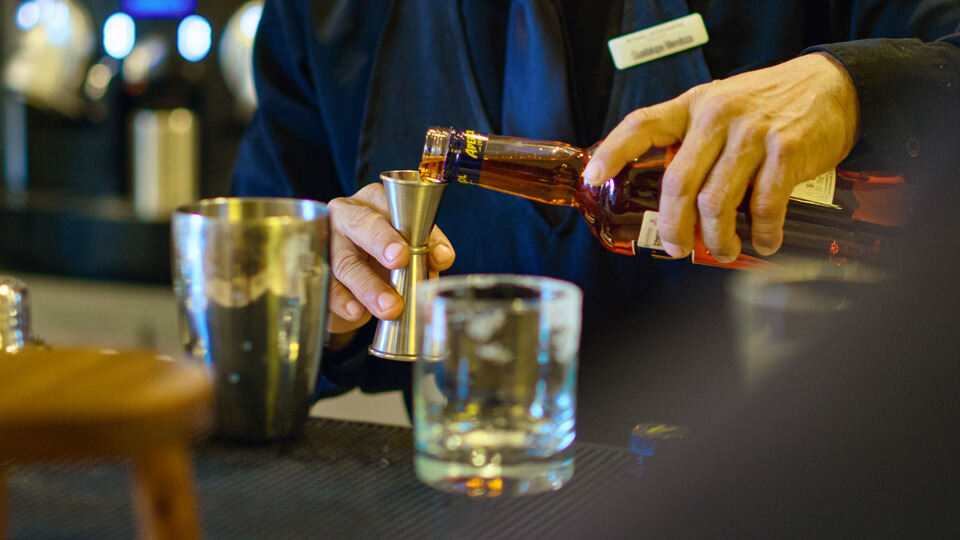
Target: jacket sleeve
point(285, 145)
point(311, 66)
point(311, 70)
point(909, 92)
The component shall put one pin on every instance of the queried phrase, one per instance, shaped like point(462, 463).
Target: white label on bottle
point(658, 41)
point(650, 232)
point(820, 190)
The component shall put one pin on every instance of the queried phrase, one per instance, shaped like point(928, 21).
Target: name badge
point(658, 41)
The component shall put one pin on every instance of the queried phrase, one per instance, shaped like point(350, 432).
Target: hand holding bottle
point(364, 247)
point(772, 128)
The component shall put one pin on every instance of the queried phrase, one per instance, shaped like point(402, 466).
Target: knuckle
point(673, 183)
point(702, 91)
point(369, 230)
point(374, 194)
point(711, 97)
point(711, 203)
point(747, 136)
point(710, 114)
point(339, 295)
point(347, 268)
point(636, 120)
point(783, 145)
point(767, 210)
point(338, 205)
point(668, 222)
point(367, 288)
point(362, 220)
point(669, 228)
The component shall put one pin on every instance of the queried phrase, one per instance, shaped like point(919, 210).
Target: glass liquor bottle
point(840, 216)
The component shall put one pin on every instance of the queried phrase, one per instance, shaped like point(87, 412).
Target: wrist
point(340, 341)
point(844, 91)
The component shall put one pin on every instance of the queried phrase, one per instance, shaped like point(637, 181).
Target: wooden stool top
point(61, 403)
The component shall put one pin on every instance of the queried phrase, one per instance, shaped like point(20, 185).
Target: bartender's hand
point(773, 128)
point(364, 247)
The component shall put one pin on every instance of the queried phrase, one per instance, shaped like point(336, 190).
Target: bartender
point(348, 89)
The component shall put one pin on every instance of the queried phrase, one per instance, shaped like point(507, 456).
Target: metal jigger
point(413, 206)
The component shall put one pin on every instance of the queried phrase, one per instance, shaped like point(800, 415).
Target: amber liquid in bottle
point(865, 211)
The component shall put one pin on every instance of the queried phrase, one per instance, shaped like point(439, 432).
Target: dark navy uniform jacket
point(347, 89)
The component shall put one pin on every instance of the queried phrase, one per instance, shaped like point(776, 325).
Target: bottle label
point(650, 239)
point(820, 190)
point(470, 158)
point(649, 232)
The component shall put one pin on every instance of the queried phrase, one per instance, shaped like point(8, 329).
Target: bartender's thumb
point(442, 254)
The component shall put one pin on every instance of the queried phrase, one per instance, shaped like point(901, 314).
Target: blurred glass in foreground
point(778, 312)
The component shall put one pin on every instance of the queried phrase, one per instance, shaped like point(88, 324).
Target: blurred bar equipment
point(15, 326)
point(164, 133)
point(14, 142)
point(165, 161)
point(48, 61)
point(413, 204)
point(103, 110)
point(236, 56)
point(43, 56)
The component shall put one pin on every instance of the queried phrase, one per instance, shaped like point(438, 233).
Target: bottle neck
point(544, 171)
point(441, 149)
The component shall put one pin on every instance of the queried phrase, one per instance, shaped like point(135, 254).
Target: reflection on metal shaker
point(165, 161)
point(250, 278)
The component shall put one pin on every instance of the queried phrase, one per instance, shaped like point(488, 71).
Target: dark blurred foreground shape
point(67, 405)
point(857, 435)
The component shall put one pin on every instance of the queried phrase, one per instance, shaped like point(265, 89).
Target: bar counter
point(337, 480)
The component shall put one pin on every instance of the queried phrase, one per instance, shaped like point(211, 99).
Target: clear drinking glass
point(495, 389)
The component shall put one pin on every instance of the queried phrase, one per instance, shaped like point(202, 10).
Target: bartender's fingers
point(724, 190)
point(441, 251)
point(346, 312)
point(659, 125)
point(768, 205)
point(683, 178)
point(359, 284)
point(363, 246)
point(363, 218)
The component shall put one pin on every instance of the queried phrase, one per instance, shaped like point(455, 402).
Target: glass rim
point(560, 291)
point(239, 209)
point(403, 176)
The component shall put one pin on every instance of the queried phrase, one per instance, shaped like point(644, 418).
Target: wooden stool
point(67, 404)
